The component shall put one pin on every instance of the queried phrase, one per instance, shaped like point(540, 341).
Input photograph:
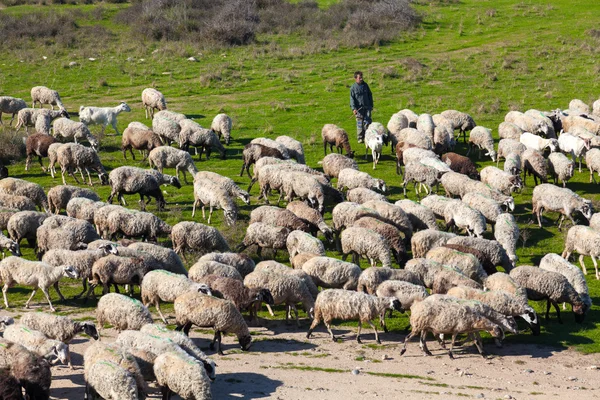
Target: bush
point(13, 146)
point(36, 26)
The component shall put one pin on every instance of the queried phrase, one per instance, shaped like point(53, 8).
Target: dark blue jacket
point(361, 96)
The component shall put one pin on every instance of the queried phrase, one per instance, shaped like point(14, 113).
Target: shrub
point(13, 146)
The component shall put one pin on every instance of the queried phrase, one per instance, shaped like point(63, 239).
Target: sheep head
point(532, 320)
point(87, 327)
point(245, 342)
point(587, 209)
point(70, 272)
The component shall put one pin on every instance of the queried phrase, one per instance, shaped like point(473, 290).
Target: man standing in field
point(361, 102)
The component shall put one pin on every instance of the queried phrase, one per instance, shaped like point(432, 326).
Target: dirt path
point(283, 364)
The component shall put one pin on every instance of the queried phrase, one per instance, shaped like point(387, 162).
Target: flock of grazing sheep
point(449, 282)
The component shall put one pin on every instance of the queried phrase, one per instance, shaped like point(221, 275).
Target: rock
point(508, 396)
point(384, 357)
point(142, 59)
point(92, 59)
point(480, 396)
point(355, 372)
point(572, 378)
point(44, 57)
point(529, 371)
point(547, 373)
point(430, 372)
point(575, 388)
point(72, 63)
point(594, 367)
point(461, 373)
point(130, 58)
point(192, 59)
point(154, 51)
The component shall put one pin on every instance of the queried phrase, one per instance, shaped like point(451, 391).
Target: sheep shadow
point(244, 385)
point(280, 345)
point(195, 116)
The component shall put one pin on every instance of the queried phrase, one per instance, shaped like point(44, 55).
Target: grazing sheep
point(71, 157)
point(122, 312)
point(574, 145)
point(203, 268)
point(10, 387)
point(206, 311)
point(570, 122)
point(151, 99)
point(38, 343)
point(462, 216)
point(32, 371)
point(332, 273)
point(411, 116)
point(455, 184)
point(177, 372)
point(585, 241)
point(333, 135)
point(310, 216)
point(32, 273)
point(389, 231)
point(348, 305)
point(427, 239)
point(407, 293)
point(420, 217)
point(169, 157)
point(192, 134)
point(61, 232)
point(192, 236)
point(294, 148)
point(306, 187)
point(507, 234)
point(370, 279)
point(366, 243)
point(481, 138)
point(11, 105)
point(37, 144)
point(59, 196)
point(134, 224)
point(508, 130)
point(487, 206)
point(554, 262)
point(243, 263)
point(167, 257)
point(418, 139)
point(243, 297)
point(350, 178)
point(117, 270)
point(509, 146)
point(166, 125)
point(422, 174)
point(102, 115)
point(140, 139)
point(553, 198)
point(527, 123)
point(592, 161)
point(512, 164)
point(361, 195)
point(211, 194)
point(5, 214)
point(461, 121)
point(396, 123)
point(550, 286)
point(227, 183)
point(538, 143)
point(504, 182)
point(24, 225)
point(345, 213)
point(461, 164)
point(278, 217)
point(76, 130)
point(20, 187)
point(264, 235)
point(460, 259)
point(534, 163)
point(253, 152)
point(333, 164)
point(301, 242)
point(389, 213)
point(44, 95)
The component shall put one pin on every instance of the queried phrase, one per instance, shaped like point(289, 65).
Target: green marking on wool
point(3, 345)
point(113, 366)
point(23, 328)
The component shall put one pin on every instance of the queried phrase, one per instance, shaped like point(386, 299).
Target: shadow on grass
point(243, 385)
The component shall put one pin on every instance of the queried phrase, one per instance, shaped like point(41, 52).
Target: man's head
point(358, 77)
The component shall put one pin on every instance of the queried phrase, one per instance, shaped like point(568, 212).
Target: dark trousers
point(363, 120)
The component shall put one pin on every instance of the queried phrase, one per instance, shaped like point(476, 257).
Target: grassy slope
point(481, 57)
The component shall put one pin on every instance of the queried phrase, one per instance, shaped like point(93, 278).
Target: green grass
point(484, 58)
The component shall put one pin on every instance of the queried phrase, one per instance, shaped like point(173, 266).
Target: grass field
point(485, 58)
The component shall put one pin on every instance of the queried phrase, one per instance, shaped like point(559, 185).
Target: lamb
point(407, 293)
point(554, 262)
point(213, 195)
point(302, 242)
point(508, 130)
point(312, 217)
point(130, 180)
point(347, 305)
point(482, 138)
point(574, 145)
point(592, 161)
point(227, 183)
point(102, 115)
point(137, 224)
point(44, 95)
point(163, 285)
point(243, 263)
point(586, 242)
point(504, 182)
point(166, 125)
point(32, 371)
point(253, 152)
point(206, 311)
point(192, 236)
point(361, 195)
point(20, 187)
point(11, 105)
point(75, 130)
point(139, 139)
point(177, 372)
point(538, 143)
point(421, 174)
point(38, 343)
point(373, 141)
point(389, 231)
point(32, 273)
point(512, 164)
point(460, 120)
point(509, 146)
point(122, 312)
point(350, 178)
point(59, 196)
point(462, 216)
point(151, 99)
point(461, 164)
point(550, 286)
point(192, 134)
point(333, 164)
point(330, 272)
point(552, 198)
point(366, 243)
point(169, 157)
point(534, 163)
point(73, 156)
point(333, 135)
point(448, 315)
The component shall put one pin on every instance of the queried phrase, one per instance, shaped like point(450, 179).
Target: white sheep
point(366, 243)
point(221, 125)
point(177, 372)
point(481, 138)
point(72, 157)
point(301, 242)
point(547, 197)
point(573, 145)
point(329, 272)
point(102, 115)
point(504, 182)
point(538, 143)
point(122, 312)
point(464, 217)
point(208, 193)
point(170, 157)
point(592, 161)
point(151, 99)
point(11, 105)
point(373, 141)
point(351, 178)
point(74, 130)
point(192, 236)
point(561, 168)
point(585, 241)
point(38, 343)
point(44, 95)
point(294, 147)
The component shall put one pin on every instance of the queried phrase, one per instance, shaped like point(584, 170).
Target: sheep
point(167, 257)
point(137, 224)
point(11, 105)
point(389, 231)
point(461, 164)
point(307, 187)
point(118, 270)
point(460, 120)
point(193, 236)
point(122, 312)
point(243, 297)
point(102, 115)
point(545, 118)
point(481, 138)
point(38, 343)
point(553, 198)
point(554, 262)
point(44, 95)
point(294, 148)
point(455, 184)
point(345, 213)
point(71, 157)
point(24, 225)
point(561, 168)
point(421, 174)
point(139, 139)
point(192, 134)
point(508, 130)
point(390, 213)
point(527, 123)
point(5, 214)
point(151, 99)
point(59, 196)
point(550, 286)
point(333, 135)
point(592, 161)
point(507, 234)
point(203, 268)
point(407, 293)
point(206, 311)
point(32, 371)
point(347, 305)
point(370, 279)
point(535, 142)
point(278, 217)
point(52, 157)
point(332, 273)
point(253, 152)
point(333, 164)
point(427, 239)
point(487, 206)
point(130, 180)
point(61, 232)
point(166, 125)
point(396, 123)
point(438, 204)
point(459, 259)
point(512, 164)
point(350, 178)
point(507, 147)
point(274, 267)
point(227, 183)
point(272, 177)
point(570, 122)
point(10, 387)
point(10, 245)
point(534, 163)
point(420, 217)
point(310, 216)
point(37, 144)
point(243, 263)
point(264, 235)
point(416, 154)
point(574, 145)
point(32, 273)
point(169, 157)
point(75, 130)
point(399, 151)
point(367, 243)
point(462, 216)
point(361, 195)
point(177, 372)
point(504, 182)
point(411, 136)
point(448, 315)
point(411, 117)
point(211, 194)
point(302, 242)
point(585, 241)
point(20, 187)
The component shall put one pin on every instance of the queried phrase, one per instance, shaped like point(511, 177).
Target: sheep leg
point(60, 295)
point(4, 290)
point(89, 177)
point(328, 326)
point(406, 339)
point(581, 257)
point(194, 208)
point(28, 300)
point(358, 333)
point(547, 309)
point(479, 344)
point(375, 329)
point(450, 354)
point(557, 308)
point(423, 343)
point(270, 310)
point(595, 266)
